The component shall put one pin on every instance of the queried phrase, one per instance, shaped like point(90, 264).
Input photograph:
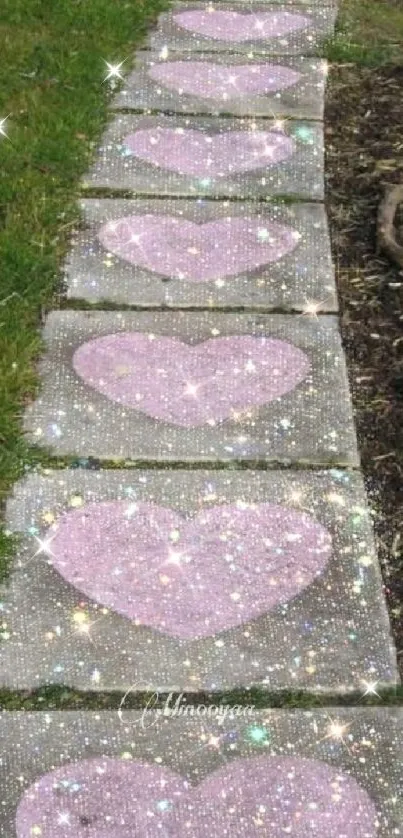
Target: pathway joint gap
point(106, 192)
point(124, 700)
point(80, 304)
point(54, 463)
point(283, 116)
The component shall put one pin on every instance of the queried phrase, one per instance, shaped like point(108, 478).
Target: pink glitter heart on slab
point(188, 385)
point(189, 577)
point(237, 27)
point(216, 81)
point(193, 153)
point(175, 247)
point(254, 797)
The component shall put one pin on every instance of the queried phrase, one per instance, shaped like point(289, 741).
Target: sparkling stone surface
point(236, 27)
point(199, 253)
point(194, 580)
point(201, 157)
point(225, 27)
point(207, 387)
point(272, 4)
point(196, 154)
point(169, 585)
point(109, 261)
point(114, 797)
point(255, 773)
point(190, 386)
point(214, 83)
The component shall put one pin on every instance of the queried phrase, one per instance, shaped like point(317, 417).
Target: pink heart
point(238, 27)
point(187, 385)
point(175, 247)
point(219, 155)
point(216, 81)
point(189, 577)
point(256, 797)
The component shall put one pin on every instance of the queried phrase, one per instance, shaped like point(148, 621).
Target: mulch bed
point(364, 145)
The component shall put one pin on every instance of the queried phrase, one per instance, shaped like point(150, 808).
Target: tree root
point(387, 233)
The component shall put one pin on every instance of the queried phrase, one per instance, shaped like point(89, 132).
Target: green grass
point(51, 86)
point(368, 32)
point(51, 83)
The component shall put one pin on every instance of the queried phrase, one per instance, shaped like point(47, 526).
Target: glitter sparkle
point(114, 71)
point(3, 132)
point(370, 688)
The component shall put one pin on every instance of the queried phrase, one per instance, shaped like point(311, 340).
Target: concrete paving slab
point(216, 83)
point(202, 156)
point(202, 254)
point(310, 4)
point(226, 27)
point(191, 387)
point(296, 3)
point(259, 773)
point(126, 578)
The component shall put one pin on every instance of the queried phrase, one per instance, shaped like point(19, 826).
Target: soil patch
point(364, 147)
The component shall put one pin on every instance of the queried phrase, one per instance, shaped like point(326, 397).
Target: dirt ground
point(364, 145)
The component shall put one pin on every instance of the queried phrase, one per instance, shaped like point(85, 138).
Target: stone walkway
point(203, 214)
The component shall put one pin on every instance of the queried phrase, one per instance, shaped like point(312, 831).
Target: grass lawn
point(51, 85)
point(369, 32)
